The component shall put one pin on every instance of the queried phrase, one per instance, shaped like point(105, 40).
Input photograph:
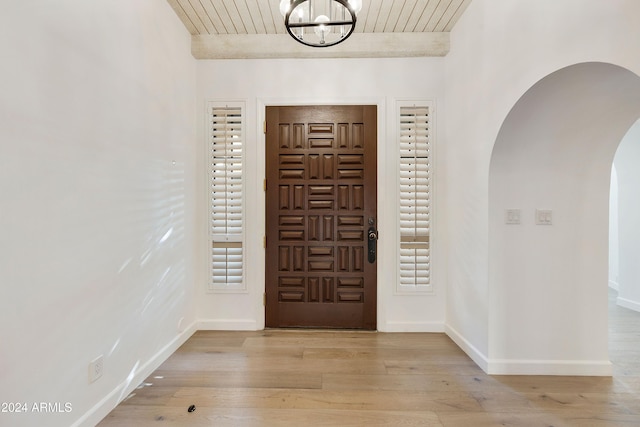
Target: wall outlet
point(96, 367)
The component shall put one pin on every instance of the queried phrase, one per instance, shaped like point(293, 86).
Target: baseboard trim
point(614, 285)
point(228, 325)
point(627, 303)
point(435, 327)
point(550, 367)
point(100, 410)
point(476, 355)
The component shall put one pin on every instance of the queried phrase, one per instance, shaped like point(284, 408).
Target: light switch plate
point(512, 216)
point(544, 217)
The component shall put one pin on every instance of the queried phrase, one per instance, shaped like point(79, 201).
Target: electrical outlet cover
point(96, 367)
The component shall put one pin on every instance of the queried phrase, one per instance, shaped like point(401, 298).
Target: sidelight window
point(414, 180)
point(226, 202)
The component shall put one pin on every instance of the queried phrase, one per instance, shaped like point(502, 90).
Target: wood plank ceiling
point(255, 29)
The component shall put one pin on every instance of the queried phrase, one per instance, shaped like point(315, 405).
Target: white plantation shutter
point(226, 143)
point(226, 260)
point(415, 198)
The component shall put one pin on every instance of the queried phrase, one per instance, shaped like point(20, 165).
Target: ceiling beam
point(359, 45)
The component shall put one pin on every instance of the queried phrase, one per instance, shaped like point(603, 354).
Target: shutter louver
point(415, 198)
point(226, 197)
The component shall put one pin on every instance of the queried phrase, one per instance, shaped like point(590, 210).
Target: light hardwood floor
point(330, 378)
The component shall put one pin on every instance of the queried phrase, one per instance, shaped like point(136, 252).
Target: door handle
point(373, 243)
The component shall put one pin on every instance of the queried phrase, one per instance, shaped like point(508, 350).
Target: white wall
point(626, 161)
point(499, 50)
point(324, 81)
point(96, 200)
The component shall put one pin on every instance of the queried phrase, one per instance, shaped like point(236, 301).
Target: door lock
point(373, 242)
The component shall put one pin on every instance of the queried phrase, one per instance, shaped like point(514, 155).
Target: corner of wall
point(476, 355)
point(94, 415)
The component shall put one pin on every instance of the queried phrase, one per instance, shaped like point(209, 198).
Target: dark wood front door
point(320, 203)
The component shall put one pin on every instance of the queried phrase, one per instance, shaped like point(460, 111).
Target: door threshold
point(305, 329)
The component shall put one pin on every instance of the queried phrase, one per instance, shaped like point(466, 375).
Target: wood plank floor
point(331, 378)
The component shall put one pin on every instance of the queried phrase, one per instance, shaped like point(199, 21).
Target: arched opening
point(624, 221)
point(624, 247)
point(548, 272)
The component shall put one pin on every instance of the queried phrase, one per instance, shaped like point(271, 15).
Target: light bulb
point(284, 7)
point(356, 5)
point(322, 30)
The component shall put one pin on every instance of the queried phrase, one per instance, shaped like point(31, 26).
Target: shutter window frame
point(226, 196)
point(414, 180)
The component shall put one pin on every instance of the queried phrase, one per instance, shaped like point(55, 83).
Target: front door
point(320, 205)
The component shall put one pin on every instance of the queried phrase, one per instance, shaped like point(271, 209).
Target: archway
point(624, 234)
point(551, 163)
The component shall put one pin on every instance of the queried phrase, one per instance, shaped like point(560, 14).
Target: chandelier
point(320, 23)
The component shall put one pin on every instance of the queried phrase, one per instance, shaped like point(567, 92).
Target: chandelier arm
point(319, 24)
